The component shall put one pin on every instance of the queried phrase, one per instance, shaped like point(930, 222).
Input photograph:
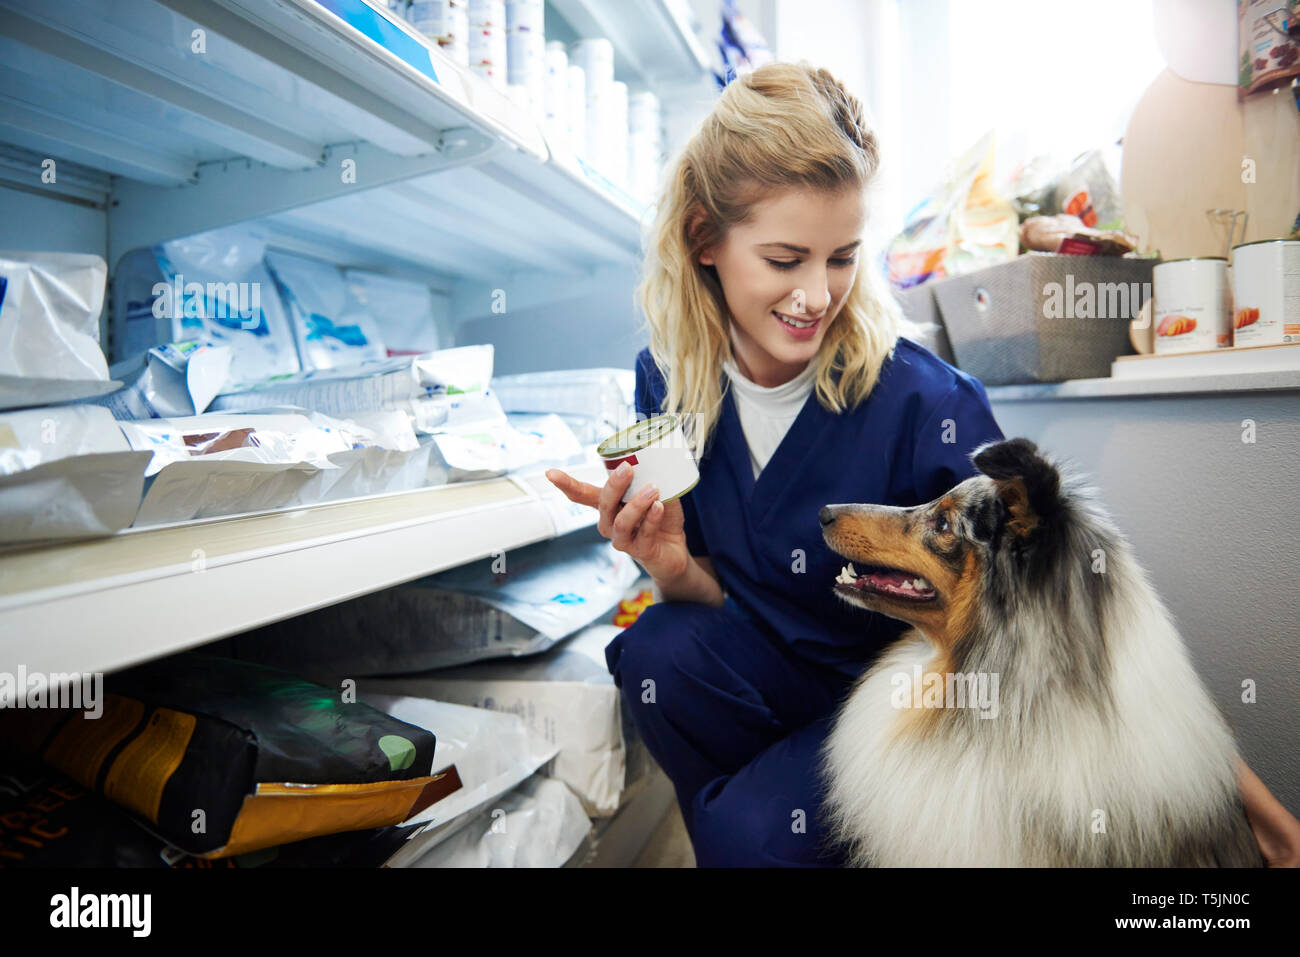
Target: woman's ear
point(695, 224)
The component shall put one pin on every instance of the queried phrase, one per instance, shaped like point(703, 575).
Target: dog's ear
point(1029, 485)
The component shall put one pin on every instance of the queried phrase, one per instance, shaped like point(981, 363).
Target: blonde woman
point(772, 334)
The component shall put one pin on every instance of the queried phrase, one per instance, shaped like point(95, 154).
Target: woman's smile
point(799, 328)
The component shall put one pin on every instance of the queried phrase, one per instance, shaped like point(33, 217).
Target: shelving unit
point(214, 112)
point(156, 591)
point(179, 116)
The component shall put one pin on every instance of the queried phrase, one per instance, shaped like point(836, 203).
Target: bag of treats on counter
point(221, 757)
point(964, 225)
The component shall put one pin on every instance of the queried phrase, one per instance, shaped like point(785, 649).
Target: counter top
point(1108, 388)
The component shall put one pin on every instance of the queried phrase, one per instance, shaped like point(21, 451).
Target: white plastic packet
point(365, 386)
point(213, 287)
point(228, 463)
point(565, 694)
point(177, 379)
point(401, 310)
point(66, 472)
point(215, 438)
point(594, 403)
point(49, 328)
point(540, 823)
point(331, 328)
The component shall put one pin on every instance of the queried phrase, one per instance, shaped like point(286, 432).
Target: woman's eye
point(783, 263)
point(844, 262)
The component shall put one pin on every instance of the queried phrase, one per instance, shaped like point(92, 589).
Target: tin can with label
point(1191, 305)
point(1266, 292)
point(656, 449)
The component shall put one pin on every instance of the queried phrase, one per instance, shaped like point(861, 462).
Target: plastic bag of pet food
point(963, 226)
point(179, 378)
point(403, 311)
point(1088, 191)
point(539, 823)
point(212, 287)
point(49, 328)
point(221, 757)
point(66, 472)
point(329, 325)
point(49, 820)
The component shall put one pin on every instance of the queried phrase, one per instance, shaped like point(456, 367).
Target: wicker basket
point(1043, 317)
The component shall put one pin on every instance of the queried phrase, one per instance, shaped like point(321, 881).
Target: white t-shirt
point(766, 414)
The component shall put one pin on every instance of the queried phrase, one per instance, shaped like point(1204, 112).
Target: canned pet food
point(1191, 305)
point(657, 451)
point(1266, 292)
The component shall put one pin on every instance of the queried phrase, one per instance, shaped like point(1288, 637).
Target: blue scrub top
point(764, 537)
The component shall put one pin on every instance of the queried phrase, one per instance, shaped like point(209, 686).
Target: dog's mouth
point(888, 582)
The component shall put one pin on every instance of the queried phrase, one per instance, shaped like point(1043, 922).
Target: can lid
point(637, 436)
point(1188, 259)
point(1261, 242)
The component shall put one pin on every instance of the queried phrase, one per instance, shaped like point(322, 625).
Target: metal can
point(1191, 305)
point(656, 449)
point(1266, 292)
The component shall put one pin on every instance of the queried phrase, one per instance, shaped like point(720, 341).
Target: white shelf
point(1153, 387)
point(451, 177)
point(653, 41)
point(152, 592)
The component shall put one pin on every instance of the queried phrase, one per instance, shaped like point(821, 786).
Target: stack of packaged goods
point(526, 54)
point(576, 112)
point(446, 22)
point(605, 108)
point(260, 380)
point(555, 96)
point(487, 41)
point(572, 94)
point(643, 145)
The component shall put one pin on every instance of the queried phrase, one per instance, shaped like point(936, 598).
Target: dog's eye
point(941, 525)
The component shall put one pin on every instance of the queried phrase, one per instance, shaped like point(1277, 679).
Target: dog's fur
point(1106, 749)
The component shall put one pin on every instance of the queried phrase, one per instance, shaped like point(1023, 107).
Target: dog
point(1099, 746)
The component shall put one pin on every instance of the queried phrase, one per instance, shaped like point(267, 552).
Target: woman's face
point(795, 258)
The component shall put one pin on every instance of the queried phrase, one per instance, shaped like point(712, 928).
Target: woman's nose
point(815, 300)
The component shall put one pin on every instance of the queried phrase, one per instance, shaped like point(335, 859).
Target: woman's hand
point(651, 531)
point(1276, 829)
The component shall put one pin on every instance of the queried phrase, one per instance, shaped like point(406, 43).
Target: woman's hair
point(783, 126)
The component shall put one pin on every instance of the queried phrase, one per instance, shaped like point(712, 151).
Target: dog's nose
point(826, 515)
